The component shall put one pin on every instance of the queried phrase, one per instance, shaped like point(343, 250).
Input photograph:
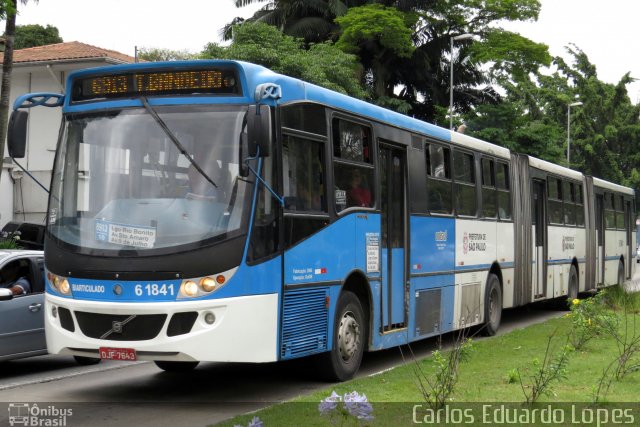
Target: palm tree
point(10, 10)
point(311, 20)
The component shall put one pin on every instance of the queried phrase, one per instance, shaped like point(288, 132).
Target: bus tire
point(620, 273)
point(492, 306)
point(349, 337)
point(572, 292)
point(171, 366)
point(86, 361)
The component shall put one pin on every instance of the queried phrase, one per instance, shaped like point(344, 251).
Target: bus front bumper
point(244, 329)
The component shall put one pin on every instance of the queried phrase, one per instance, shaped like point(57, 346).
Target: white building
point(42, 69)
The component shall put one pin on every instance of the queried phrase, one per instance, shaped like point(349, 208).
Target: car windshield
point(121, 183)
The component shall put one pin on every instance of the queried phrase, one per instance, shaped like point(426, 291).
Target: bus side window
point(609, 211)
point(488, 188)
point(438, 160)
point(504, 196)
point(620, 212)
point(303, 172)
point(554, 190)
point(569, 203)
point(352, 165)
point(465, 183)
point(579, 206)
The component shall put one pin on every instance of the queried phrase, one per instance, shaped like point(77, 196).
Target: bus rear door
point(392, 177)
point(540, 221)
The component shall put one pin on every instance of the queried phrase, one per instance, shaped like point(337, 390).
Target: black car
point(31, 234)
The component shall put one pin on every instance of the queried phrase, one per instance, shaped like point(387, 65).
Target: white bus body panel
point(476, 250)
point(245, 329)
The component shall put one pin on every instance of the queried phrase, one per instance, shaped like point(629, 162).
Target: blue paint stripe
point(612, 257)
point(472, 267)
point(559, 261)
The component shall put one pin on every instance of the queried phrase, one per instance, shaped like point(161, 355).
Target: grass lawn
point(484, 376)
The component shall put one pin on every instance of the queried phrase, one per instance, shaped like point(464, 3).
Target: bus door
point(600, 239)
point(540, 221)
point(393, 257)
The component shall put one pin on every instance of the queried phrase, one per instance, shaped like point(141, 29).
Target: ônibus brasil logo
point(26, 414)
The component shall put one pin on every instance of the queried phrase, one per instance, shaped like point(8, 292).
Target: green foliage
point(35, 35)
point(543, 374)
point(590, 318)
point(387, 27)
point(10, 240)
point(510, 54)
point(158, 54)
point(322, 64)
point(405, 45)
point(437, 389)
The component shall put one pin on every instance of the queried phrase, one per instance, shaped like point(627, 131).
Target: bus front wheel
point(492, 306)
point(171, 366)
point(349, 338)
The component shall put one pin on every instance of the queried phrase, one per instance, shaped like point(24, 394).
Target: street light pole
point(456, 38)
point(575, 104)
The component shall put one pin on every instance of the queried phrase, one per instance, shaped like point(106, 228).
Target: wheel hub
point(348, 336)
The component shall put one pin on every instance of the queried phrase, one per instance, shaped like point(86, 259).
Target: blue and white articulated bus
point(217, 211)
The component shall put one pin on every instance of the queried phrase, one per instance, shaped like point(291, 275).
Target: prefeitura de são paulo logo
point(27, 414)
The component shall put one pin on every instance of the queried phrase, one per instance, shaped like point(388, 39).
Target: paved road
point(124, 394)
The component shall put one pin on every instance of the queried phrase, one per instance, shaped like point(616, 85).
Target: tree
point(8, 9)
point(322, 63)
point(417, 82)
point(35, 35)
point(158, 54)
point(532, 119)
point(311, 20)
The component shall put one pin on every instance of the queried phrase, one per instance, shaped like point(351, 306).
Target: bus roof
point(295, 90)
point(613, 187)
point(555, 169)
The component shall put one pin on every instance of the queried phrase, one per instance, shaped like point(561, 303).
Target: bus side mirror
point(17, 134)
point(259, 130)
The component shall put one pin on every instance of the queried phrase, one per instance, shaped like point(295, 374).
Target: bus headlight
point(65, 289)
point(202, 286)
point(208, 284)
point(60, 284)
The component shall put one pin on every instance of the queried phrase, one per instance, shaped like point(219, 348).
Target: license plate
point(117, 353)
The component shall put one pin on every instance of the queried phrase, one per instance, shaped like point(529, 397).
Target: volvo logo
point(117, 327)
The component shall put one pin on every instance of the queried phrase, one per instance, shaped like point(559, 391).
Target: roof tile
point(66, 51)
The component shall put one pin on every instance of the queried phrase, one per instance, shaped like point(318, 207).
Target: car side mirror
point(259, 130)
point(17, 134)
point(5, 294)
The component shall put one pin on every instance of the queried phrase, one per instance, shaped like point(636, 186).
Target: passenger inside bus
point(358, 194)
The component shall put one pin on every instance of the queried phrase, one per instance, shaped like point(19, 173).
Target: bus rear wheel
point(171, 366)
point(620, 273)
point(349, 337)
point(492, 306)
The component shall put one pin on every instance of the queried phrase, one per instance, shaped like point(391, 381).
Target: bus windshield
point(121, 183)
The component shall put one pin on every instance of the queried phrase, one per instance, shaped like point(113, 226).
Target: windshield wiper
point(174, 139)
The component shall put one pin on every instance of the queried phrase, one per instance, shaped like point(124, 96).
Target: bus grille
point(305, 322)
point(120, 327)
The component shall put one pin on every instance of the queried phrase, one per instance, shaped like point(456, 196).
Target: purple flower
point(329, 404)
point(255, 422)
point(358, 406)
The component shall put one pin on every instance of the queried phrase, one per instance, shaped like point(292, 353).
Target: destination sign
point(179, 82)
